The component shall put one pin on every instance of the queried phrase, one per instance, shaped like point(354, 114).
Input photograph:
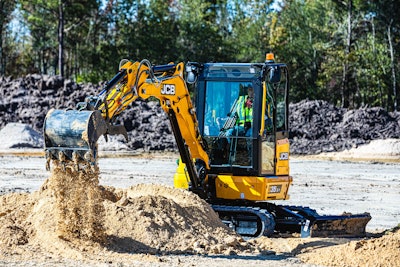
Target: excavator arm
point(71, 136)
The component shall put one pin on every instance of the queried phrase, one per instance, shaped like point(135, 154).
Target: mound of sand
point(382, 251)
point(72, 215)
point(19, 135)
point(159, 218)
point(386, 150)
point(343, 252)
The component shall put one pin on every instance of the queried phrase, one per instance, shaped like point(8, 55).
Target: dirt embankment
point(315, 126)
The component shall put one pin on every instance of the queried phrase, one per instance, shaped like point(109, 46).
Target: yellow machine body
point(253, 188)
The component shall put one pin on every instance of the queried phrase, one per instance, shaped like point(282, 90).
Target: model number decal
point(284, 156)
point(168, 89)
point(273, 189)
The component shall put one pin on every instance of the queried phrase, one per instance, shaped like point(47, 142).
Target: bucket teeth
point(61, 156)
point(75, 159)
point(88, 156)
point(48, 159)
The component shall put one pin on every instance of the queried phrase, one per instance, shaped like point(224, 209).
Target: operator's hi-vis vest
point(245, 114)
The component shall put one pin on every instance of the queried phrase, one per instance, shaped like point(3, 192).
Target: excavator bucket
point(71, 136)
point(345, 225)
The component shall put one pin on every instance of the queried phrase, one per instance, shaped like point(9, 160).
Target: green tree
point(335, 51)
point(250, 30)
point(42, 27)
point(54, 26)
point(373, 69)
point(6, 9)
point(365, 65)
point(299, 36)
point(156, 32)
point(386, 12)
point(202, 30)
point(343, 51)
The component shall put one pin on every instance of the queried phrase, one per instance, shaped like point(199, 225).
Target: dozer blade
point(308, 222)
point(71, 136)
point(346, 225)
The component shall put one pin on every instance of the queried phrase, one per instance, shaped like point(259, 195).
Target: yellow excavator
point(233, 141)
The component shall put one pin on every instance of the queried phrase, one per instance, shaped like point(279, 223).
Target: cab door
point(274, 125)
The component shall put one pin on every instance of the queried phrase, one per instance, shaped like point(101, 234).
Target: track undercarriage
point(265, 219)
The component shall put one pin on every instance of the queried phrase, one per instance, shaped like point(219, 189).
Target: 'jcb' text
point(168, 89)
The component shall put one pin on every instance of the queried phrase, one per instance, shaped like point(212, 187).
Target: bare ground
point(157, 225)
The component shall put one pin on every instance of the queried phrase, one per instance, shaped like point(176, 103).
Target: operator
point(245, 115)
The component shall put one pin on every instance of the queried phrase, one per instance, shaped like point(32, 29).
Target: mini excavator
point(240, 166)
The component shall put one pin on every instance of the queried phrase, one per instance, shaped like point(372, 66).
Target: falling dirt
point(79, 204)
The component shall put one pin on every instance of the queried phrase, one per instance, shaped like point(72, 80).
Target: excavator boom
point(71, 135)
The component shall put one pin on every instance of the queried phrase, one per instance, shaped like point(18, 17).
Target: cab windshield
point(220, 99)
point(226, 130)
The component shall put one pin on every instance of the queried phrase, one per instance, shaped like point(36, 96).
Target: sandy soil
point(146, 222)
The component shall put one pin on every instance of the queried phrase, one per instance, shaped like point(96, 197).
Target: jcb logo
point(284, 156)
point(168, 89)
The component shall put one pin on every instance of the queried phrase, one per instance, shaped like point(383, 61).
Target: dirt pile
point(28, 99)
point(74, 221)
point(163, 219)
point(387, 150)
point(19, 135)
point(382, 251)
point(378, 251)
point(83, 220)
point(316, 126)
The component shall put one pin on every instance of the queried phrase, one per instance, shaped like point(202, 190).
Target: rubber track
point(267, 220)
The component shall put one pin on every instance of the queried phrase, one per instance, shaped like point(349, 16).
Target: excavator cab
point(242, 112)
point(241, 130)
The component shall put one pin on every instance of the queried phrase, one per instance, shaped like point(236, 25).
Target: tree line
point(342, 51)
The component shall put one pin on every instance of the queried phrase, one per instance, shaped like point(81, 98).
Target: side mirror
point(191, 73)
point(191, 77)
point(274, 74)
